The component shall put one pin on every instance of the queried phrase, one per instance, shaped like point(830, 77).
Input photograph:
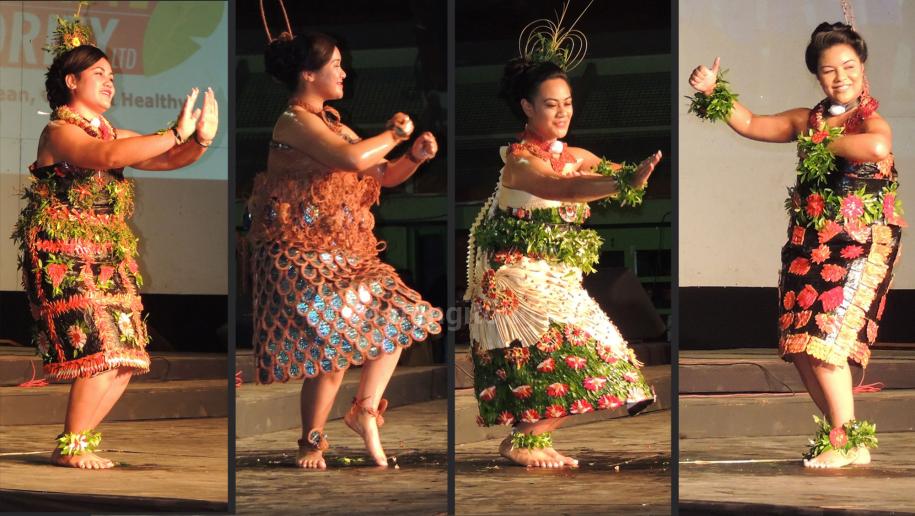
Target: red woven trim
point(81, 248)
point(84, 367)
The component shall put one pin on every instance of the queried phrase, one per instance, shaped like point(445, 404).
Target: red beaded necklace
point(533, 143)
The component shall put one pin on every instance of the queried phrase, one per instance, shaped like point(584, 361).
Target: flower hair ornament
point(546, 40)
point(70, 34)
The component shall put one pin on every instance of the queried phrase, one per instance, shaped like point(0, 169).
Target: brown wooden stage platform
point(745, 420)
point(163, 465)
point(270, 483)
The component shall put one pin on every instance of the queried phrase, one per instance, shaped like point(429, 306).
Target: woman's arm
point(191, 150)
point(393, 173)
point(308, 133)
point(61, 141)
point(779, 128)
point(875, 143)
point(67, 142)
point(535, 176)
point(176, 157)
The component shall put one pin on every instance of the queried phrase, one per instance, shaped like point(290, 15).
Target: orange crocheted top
point(301, 201)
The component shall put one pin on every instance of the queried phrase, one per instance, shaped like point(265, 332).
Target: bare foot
point(864, 456)
point(566, 460)
point(366, 425)
point(530, 457)
point(830, 459)
point(84, 461)
point(310, 458)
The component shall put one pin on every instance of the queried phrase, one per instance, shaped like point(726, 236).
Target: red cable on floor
point(871, 387)
point(41, 382)
point(238, 379)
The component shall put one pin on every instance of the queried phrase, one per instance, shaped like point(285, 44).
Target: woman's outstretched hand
point(646, 167)
point(704, 79)
point(425, 147)
point(207, 117)
point(187, 117)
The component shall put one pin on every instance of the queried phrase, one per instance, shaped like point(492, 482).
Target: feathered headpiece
point(70, 34)
point(546, 40)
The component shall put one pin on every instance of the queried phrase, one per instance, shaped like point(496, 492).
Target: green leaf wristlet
point(718, 105)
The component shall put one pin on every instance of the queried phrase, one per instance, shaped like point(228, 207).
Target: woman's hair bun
point(288, 56)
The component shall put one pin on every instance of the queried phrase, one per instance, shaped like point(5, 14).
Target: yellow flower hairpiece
point(70, 34)
point(546, 40)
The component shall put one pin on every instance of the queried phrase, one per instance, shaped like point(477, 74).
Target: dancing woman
point(323, 300)
point(78, 254)
point(844, 233)
point(542, 347)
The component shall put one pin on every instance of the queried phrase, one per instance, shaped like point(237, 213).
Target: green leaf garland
point(851, 435)
point(816, 161)
point(531, 441)
point(79, 443)
point(560, 243)
point(718, 105)
point(627, 195)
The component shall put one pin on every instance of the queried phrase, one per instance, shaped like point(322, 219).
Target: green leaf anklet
point(851, 435)
point(531, 441)
point(79, 443)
